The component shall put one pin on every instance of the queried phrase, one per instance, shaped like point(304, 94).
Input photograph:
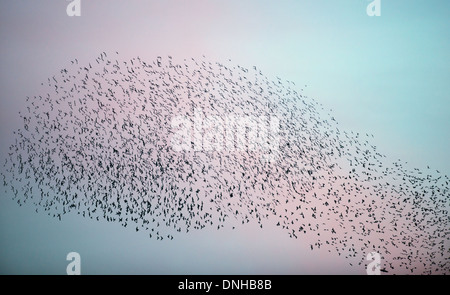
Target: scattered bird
point(97, 142)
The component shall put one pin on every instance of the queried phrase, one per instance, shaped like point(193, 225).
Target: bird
point(104, 143)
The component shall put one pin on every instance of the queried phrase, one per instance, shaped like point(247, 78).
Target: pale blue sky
point(386, 75)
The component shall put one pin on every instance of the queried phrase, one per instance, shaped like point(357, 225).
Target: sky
point(385, 75)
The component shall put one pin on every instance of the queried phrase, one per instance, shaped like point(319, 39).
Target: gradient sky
point(384, 75)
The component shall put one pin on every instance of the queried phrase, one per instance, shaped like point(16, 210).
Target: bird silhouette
point(98, 141)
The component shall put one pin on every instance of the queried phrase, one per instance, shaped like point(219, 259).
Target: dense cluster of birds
point(97, 142)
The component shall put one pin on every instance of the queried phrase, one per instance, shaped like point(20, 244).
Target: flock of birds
point(97, 142)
